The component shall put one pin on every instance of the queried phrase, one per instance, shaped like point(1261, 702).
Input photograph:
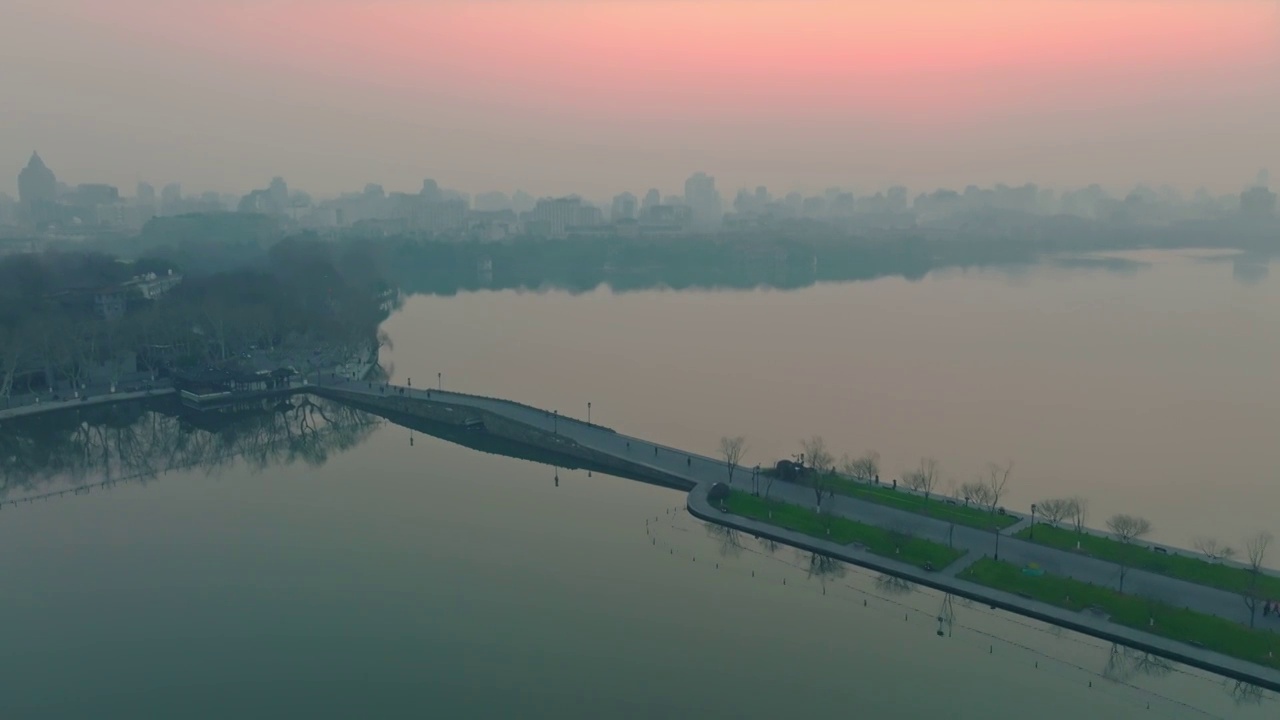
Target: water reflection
point(1250, 269)
point(890, 585)
point(1124, 663)
point(1244, 693)
point(696, 263)
point(728, 539)
point(137, 441)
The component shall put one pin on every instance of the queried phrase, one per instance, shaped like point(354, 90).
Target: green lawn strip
point(933, 507)
point(1214, 633)
point(914, 551)
point(1184, 567)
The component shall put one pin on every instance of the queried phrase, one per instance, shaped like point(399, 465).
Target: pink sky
point(555, 95)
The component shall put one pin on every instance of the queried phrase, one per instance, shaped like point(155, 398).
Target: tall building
point(554, 217)
point(146, 194)
point(171, 199)
point(278, 191)
point(623, 208)
point(653, 198)
point(36, 183)
point(701, 195)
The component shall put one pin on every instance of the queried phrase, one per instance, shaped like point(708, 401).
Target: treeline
point(790, 256)
point(303, 293)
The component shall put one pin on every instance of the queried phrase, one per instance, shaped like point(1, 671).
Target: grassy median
point(1209, 631)
point(896, 546)
point(934, 506)
point(1184, 567)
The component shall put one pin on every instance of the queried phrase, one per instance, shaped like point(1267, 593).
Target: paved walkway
point(703, 470)
point(28, 406)
point(700, 472)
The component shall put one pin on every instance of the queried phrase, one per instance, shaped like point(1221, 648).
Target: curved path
point(700, 472)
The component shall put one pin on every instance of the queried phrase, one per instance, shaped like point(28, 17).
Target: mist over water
point(1143, 381)
point(395, 573)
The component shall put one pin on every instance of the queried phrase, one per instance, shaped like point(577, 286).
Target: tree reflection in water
point(1125, 663)
point(142, 440)
point(730, 539)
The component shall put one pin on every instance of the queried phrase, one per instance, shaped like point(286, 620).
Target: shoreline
point(641, 460)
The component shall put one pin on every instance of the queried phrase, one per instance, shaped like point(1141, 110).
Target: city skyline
point(600, 98)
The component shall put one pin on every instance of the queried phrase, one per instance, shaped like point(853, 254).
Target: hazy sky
point(603, 95)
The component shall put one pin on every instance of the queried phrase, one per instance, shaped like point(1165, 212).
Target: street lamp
point(1032, 535)
point(440, 381)
point(555, 421)
point(997, 542)
point(588, 413)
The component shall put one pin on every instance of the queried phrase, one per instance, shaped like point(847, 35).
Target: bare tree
point(979, 492)
point(997, 482)
point(823, 489)
point(1055, 510)
point(864, 468)
point(1079, 511)
point(817, 455)
point(732, 449)
point(1255, 551)
point(1212, 549)
point(924, 479)
point(1128, 528)
point(769, 477)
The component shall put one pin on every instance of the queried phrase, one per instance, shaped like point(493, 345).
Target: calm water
point(354, 572)
point(1147, 386)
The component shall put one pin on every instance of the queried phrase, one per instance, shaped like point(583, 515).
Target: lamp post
point(588, 413)
point(997, 542)
point(1032, 534)
point(555, 421)
point(440, 381)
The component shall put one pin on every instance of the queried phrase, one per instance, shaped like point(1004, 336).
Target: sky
point(599, 96)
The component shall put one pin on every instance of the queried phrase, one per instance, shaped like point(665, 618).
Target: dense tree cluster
point(305, 293)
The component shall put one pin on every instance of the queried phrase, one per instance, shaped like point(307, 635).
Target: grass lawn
point(934, 507)
point(1214, 633)
point(1184, 567)
point(913, 551)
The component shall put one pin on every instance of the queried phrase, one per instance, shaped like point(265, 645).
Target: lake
point(319, 563)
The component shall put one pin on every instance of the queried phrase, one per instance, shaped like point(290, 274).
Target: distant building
point(94, 194)
point(624, 207)
point(38, 190)
point(1258, 202)
point(493, 225)
point(701, 196)
point(553, 217)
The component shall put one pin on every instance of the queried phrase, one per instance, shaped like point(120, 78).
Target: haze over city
point(640, 359)
point(568, 96)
